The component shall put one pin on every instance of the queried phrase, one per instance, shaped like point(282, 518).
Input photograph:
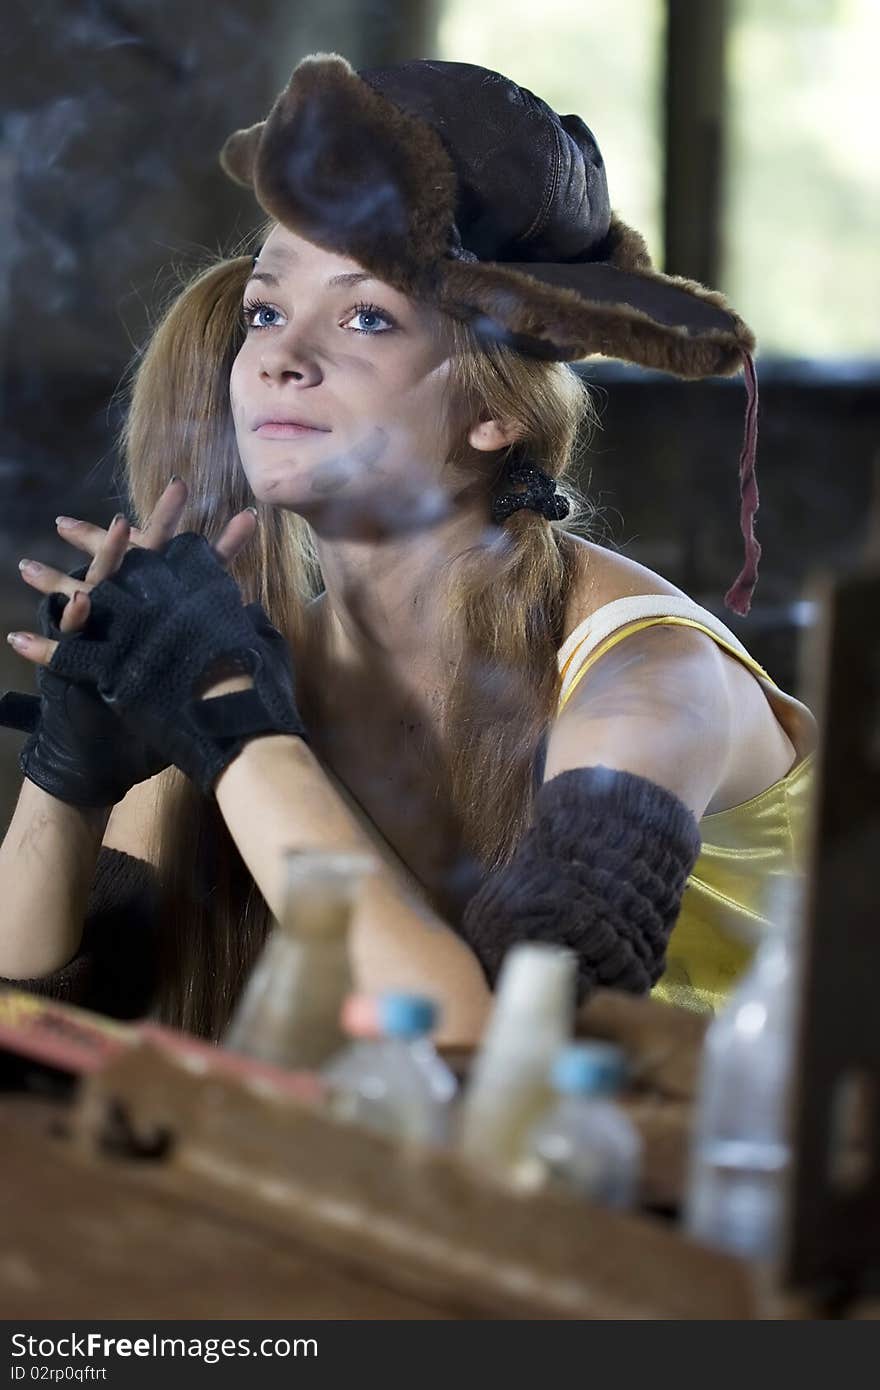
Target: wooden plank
point(833, 1239)
point(104, 1239)
point(412, 1219)
point(694, 142)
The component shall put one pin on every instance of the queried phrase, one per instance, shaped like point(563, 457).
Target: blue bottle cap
point(402, 1015)
point(589, 1068)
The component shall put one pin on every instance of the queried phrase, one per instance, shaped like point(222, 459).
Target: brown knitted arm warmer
point(113, 971)
point(601, 870)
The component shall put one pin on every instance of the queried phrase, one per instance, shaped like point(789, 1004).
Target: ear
point(489, 435)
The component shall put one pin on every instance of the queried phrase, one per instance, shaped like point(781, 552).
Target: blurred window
point(801, 197)
point(600, 62)
point(802, 224)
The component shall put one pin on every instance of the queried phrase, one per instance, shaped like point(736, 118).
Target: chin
point(285, 483)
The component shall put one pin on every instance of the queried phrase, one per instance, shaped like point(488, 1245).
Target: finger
point(76, 612)
point(38, 650)
point(111, 552)
point(235, 535)
point(51, 581)
point(104, 563)
point(48, 580)
point(86, 536)
point(165, 517)
point(158, 530)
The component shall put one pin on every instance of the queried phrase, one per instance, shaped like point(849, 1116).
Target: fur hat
point(456, 186)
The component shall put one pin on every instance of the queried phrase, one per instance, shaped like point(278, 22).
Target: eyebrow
point(352, 277)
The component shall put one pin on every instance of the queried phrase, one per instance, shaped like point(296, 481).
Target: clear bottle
point(740, 1150)
point(509, 1082)
point(289, 1011)
point(586, 1143)
point(395, 1083)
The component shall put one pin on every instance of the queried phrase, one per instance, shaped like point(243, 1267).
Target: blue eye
point(256, 307)
point(370, 311)
point(250, 311)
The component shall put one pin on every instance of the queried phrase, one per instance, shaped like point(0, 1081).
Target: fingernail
point(30, 566)
point(17, 639)
point(120, 516)
point(252, 509)
point(175, 478)
point(64, 521)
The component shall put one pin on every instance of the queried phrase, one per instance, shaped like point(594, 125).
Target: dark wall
point(665, 467)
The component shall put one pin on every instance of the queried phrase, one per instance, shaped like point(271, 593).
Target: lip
point(279, 429)
point(283, 428)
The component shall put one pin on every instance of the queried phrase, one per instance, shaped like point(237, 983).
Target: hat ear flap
point(239, 153)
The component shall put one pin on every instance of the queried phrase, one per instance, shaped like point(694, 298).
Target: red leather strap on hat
point(739, 595)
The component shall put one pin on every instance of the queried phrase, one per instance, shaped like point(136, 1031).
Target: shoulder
point(604, 576)
point(665, 667)
point(656, 704)
point(600, 576)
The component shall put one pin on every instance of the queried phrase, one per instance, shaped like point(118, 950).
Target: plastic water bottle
point(740, 1149)
point(289, 1012)
point(586, 1143)
point(395, 1083)
point(509, 1083)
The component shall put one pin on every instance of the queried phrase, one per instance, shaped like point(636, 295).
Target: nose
point(288, 356)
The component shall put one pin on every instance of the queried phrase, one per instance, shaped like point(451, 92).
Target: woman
point(464, 696)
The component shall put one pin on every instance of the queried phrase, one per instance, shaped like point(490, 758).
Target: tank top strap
point(623, 616)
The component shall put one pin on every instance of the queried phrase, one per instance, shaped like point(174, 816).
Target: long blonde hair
point(507, 602)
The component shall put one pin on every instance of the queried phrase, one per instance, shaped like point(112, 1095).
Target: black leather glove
point(161, 628)
point(79, 751)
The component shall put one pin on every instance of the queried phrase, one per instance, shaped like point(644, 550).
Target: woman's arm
point(52, 846)
point(632, 763)
point(656, 705)
point(275, 796)
point(47, 863)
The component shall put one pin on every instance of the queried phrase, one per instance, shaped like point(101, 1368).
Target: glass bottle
point(289, 1011)
point(395, 1082)
point(508, 1086)
point(740, 1150)
point(586, 1143)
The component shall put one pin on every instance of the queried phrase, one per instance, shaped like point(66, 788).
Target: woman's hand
point(107, 549)
point(166, 627)
point(80, 751)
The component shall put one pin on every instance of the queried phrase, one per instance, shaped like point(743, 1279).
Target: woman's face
point(362, 364)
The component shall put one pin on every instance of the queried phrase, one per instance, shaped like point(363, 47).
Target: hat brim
point(568, 312)
point(341, 165)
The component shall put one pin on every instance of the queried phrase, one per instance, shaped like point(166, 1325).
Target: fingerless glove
point(79, 750)
point(160, 629)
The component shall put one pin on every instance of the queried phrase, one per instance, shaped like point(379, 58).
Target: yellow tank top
point(722, 915)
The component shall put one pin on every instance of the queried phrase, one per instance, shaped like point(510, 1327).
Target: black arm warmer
point(601, 870)
point(114, 970)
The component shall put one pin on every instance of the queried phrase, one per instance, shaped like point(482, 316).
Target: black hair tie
point(540, 495)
